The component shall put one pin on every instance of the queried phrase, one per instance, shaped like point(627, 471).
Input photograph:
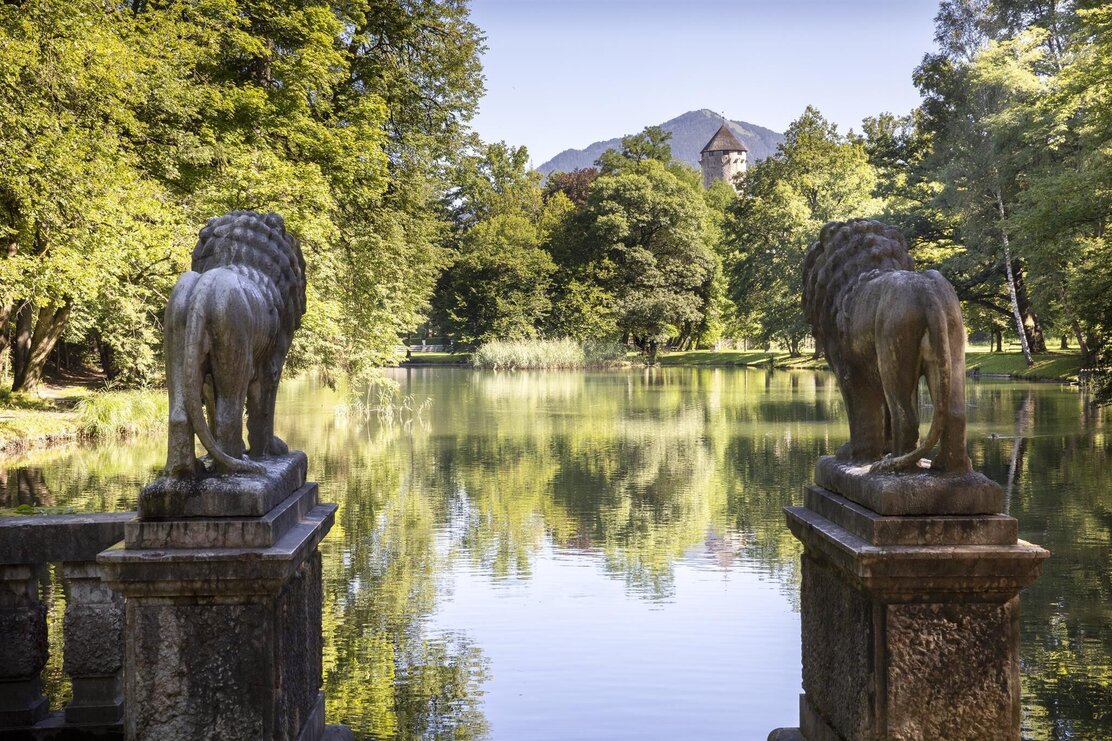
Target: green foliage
point(818, 175)
point(499, 284)
point(123, 128)
point(1006, 182)
point(642, 242)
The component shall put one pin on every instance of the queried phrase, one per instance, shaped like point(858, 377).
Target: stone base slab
point(910, 530)
point(101, 701)
point(54, 727)
point(225, 495)
point(222, 532)
point(921, 492)
point(24, 704)
point(785, 734)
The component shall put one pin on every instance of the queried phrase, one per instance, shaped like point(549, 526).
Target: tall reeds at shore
point(112, 414)
point(561, 354)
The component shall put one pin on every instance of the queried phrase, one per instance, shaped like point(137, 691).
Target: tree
point(498, 287)
point(644, 242)
point(346, 118)
point(1061, 213)
point(817, 175)
point(574, 184)
point(79, 218)
point(650, 144)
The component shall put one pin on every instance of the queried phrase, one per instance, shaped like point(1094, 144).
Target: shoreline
point(1052, 367)
point(52, 422)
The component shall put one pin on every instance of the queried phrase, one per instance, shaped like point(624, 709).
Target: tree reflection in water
point(645, 475)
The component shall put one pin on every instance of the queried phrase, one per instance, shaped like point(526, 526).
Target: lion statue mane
point(229, 324)
point(883, 326)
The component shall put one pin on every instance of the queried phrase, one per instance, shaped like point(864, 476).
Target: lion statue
point(229, 324)
point(883, 326)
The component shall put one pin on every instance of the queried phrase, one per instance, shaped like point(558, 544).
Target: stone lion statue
point(883, 326)
point(229, 324)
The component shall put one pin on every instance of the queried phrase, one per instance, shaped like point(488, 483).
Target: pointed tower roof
point(724, 141)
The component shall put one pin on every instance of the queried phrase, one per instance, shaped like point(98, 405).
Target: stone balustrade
point(93, 626)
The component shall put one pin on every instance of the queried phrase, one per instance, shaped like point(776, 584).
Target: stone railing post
point(23, 647)
point(94, 646)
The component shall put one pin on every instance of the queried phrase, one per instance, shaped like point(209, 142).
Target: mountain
point(690, 132)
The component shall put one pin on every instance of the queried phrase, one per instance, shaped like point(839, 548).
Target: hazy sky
point(565, 73)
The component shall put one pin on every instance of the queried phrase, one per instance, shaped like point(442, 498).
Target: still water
point(604, 556)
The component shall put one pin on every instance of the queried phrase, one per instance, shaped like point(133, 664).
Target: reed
point(113, 414)
point(547, 354)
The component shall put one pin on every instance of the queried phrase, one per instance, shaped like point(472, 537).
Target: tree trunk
point(998, 335)
point(1019, 325)
point(1032, 327)
point(1075, 326)
point(31, 348)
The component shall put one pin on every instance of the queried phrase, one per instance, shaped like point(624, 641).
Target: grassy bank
point(1055, 366)
point(741, 358)
point(70, 413)
point(439, 358)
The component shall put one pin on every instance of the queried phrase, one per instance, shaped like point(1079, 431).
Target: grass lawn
point(1062, 365)
point(32, 421)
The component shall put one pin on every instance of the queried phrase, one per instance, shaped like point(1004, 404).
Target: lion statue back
point(229, 325)
point(882, 326)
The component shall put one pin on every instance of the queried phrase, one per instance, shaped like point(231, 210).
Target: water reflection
point(603, 555)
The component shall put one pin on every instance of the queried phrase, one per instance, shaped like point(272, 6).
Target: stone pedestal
point(910, 614)
point(223, 612)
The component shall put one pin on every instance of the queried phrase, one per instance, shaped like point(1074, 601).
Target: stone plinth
point(912, 493)
point(910, 621)
point(223, 614)
point(224, 495)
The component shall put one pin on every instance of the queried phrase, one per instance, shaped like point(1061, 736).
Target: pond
point(604, 555)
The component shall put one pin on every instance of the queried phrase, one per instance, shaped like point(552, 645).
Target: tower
point(723, 157)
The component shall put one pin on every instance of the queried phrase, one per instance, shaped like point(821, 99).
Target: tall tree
point(498, 286)
point(78, 216)
point(644, 243)
point(817, 175)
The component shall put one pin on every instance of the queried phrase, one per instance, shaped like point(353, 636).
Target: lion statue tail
point(939, 339)
point(193, 379)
